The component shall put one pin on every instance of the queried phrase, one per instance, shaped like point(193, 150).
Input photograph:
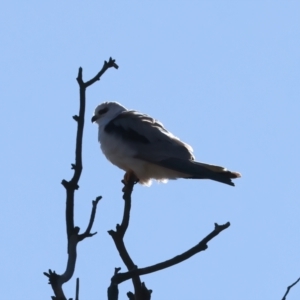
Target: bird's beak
point(94, 118)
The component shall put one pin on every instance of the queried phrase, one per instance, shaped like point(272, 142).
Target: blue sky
point(221, 75)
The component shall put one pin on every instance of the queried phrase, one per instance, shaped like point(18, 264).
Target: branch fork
point(71, 186)
point(140, 290)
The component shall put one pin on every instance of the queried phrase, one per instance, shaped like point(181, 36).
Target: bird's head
point(106, 112)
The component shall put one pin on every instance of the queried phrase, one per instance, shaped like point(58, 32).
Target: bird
point(146, 150)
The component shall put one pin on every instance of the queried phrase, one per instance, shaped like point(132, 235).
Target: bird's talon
point(130, 177)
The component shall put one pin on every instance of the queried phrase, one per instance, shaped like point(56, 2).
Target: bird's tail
point(197, 170)
point(216, 173)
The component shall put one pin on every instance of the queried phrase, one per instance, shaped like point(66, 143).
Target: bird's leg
point(129, 176)
point(129, 181)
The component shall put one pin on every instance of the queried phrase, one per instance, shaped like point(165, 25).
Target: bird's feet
point(130, 177)
point(129, 180)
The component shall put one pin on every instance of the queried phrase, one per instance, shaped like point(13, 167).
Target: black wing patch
point(125, 133)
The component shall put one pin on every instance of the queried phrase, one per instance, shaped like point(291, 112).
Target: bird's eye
point(102, 111)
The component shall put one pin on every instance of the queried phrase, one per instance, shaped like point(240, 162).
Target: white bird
point(144, 149)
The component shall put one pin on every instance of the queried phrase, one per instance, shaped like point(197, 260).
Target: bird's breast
point(116, 151)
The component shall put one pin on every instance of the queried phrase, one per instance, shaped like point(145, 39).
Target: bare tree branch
point(56, 285)
point(111, 63)
point(145, 293)
point(71, 186)
point(289, 287)
point(77, 289)
point(113, 290)
point(92, 218)
point(140, 290)
point(201, 246)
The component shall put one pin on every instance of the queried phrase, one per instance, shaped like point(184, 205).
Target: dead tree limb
point(289, 287)
point(71, 186)
point(201, 246)
point(140, 290)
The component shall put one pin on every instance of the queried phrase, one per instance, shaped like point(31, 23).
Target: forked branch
point(201, 246)
point(134, 273)
point(71, 186)
point(140, 290)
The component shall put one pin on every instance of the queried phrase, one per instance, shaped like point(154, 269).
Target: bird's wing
point(151, 142)
point(147, 137)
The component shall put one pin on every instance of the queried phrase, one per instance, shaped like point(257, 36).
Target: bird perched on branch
point(145, 150)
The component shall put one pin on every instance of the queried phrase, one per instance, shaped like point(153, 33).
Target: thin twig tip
point(98, 198)
point(76, 118)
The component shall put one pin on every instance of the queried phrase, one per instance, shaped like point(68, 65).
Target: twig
point(289, 287)
point(77, 289)
point(111, 63)
point(88, 233)
point(201, 246)
point(113, 291)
